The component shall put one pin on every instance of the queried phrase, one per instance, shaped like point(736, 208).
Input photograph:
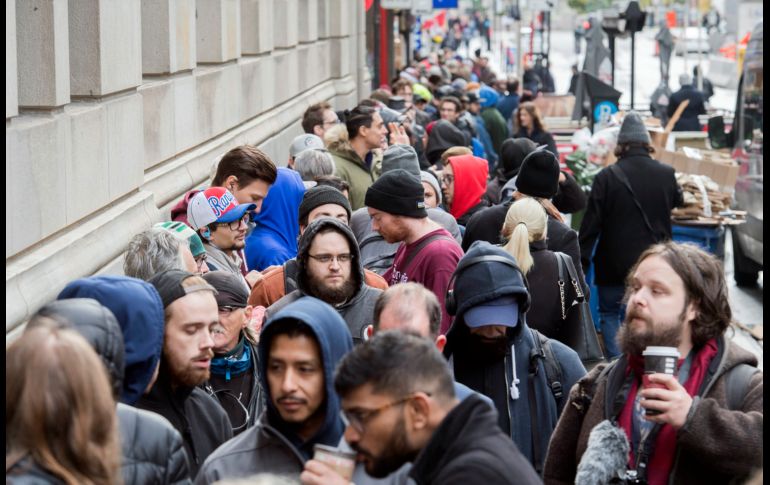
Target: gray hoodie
point(358, 312)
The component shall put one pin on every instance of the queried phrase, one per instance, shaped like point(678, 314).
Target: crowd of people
point(394, 292)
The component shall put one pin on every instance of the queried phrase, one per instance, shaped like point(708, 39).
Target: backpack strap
point(553, 373)
point(290, 271)
point(738, 379)
point(618, 172)
point(416, 250)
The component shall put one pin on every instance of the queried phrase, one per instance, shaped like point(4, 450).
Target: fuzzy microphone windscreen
point(606, 455)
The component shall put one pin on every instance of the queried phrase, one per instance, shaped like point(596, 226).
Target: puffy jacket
point(358, 312)
point(153, 451)
point(272, 446)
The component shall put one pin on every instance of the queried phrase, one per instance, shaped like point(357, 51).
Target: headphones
point(206, 233)
point(451, 303)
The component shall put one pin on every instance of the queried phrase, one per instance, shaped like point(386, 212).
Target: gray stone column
point(286, 24)
point(218, 30)
point(169, 40)
point(105, 46)
point(256, 26)
point(11, 86)
point(43, 53)
point(308, 20)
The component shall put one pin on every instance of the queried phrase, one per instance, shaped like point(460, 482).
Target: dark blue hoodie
point(274, 240)
point(334, 340)
point(139, 311)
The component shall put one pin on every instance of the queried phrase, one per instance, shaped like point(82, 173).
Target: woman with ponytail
point(525, 230)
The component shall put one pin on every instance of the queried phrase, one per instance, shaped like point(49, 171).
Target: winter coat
point(472, 287)
point(487, 224)
point(358, 312)
point(271, 446)
point(218, 260)
point(545, 311)
point(507, 105)
point(689, 119)
point(470, 184)
point(349, 167)
point(274, 240)
point(272, 286)
point(486, 140)
point(539, 137)
point(376, 253)
point(613, 218)
point(468, 448)
point(198, 417)
point(715, 445)
point(152, 450)
point(27, 472)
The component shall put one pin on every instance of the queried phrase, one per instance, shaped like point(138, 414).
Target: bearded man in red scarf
point(707, 425)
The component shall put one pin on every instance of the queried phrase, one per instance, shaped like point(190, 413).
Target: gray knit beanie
point(401, 156)
point(633, 130)
point(428, 177)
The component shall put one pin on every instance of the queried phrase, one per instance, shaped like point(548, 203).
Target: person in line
point(705, 423)
point(529, 124)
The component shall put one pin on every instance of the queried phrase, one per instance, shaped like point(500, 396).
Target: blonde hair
point(59, 408)
point(525, 222)
point(455, 152)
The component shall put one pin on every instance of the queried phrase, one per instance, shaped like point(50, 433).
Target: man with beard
point(495, 352)
point(329, 268)
point(221, 223)
point(298, 350)
point(190, 314)
point(428, 253)
point(399, 405)
point(708, 425)
point(234, 377)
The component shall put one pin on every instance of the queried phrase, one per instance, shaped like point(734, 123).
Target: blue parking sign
point(445, 3)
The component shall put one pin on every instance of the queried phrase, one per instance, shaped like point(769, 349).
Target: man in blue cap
point(494, 352)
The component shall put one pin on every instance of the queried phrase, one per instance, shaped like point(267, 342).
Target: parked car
point(691, 41)
point(746, 138)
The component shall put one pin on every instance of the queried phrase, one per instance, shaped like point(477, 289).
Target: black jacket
point(152, 450)
point(468, 447)
point(443, 136)
point(198, 417)
point(539, 137)
point(613, 218)
point(689, 119)
point(487, 224)
point(545, 311)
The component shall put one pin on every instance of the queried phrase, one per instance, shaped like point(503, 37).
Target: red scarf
point(662, 458)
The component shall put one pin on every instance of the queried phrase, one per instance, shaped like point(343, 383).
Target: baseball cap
point(304, 142)
point(169, 285)
point(230, 288)
point(184, 233)
point(502, 311)
point(215, 204)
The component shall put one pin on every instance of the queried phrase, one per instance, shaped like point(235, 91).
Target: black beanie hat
point(512, 155)
point(397, 192)
point(320, 195)
point(539, 175)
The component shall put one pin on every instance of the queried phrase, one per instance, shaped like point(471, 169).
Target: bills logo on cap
point(221, 203)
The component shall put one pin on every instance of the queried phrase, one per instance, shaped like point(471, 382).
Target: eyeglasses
point(359, 417)
point(235, 225)
point(332, 122)
point(447, 179)
point(328, 258)
point(200, 261)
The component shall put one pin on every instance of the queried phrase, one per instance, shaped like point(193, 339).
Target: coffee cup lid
point(661, 351)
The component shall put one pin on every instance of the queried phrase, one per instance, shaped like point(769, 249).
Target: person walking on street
point(696, 105)
point(629, 209)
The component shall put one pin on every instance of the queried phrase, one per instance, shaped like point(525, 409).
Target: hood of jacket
point(470, 182)
point(471, 288)
point(443, 136)
point(339, 145)
point(99, 327)
point(279, 217)
point(334, 341)
point(139, 311)
point(179, 211)
point(356, 269)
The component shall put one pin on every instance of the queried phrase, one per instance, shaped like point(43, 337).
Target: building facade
point(115, 108)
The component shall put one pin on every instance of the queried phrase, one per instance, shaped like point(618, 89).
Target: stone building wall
point(115, 108)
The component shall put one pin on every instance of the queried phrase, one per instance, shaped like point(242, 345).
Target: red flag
point(368, 4)
point(441, 18)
